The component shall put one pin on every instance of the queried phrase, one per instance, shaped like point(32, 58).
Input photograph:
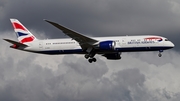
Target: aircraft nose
point(172, 45)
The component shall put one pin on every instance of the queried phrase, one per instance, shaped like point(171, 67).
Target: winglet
point(46, 20)
point(49, 21)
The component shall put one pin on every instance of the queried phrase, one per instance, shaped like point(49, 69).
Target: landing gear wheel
point(160, 55)
point(94, 59)
point(160, 51)
point(90, 60)
point(86, 56)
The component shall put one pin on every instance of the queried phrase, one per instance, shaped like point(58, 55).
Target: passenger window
point(166, 40)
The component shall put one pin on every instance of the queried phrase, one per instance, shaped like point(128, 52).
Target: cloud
point(137, 77)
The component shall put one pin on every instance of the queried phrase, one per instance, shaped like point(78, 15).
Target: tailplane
point(23, 34)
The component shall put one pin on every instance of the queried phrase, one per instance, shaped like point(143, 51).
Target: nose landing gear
point(160, 53)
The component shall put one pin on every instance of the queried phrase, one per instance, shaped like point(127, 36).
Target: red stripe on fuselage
point(18, 26)
point(153, 38)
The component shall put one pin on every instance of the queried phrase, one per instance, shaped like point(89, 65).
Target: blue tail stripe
point(21, 34)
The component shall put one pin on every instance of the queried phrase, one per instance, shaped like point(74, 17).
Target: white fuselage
point(109, 47)
point(122, 44)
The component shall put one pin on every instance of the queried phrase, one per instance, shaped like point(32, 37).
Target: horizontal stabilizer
point(15, 43)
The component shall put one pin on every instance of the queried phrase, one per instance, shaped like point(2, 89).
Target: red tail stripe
point(18, 26)
point(27, 39)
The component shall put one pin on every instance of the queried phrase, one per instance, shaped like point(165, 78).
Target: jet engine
point(107, 45)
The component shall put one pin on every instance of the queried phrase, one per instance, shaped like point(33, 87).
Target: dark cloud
point(96, 17)
point(137, 77)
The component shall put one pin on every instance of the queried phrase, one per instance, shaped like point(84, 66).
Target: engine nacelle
point(113, 56)
point(107, 45)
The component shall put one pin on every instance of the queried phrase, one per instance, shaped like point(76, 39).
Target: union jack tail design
point(23, 34)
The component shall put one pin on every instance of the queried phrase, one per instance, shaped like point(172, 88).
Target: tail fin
point(23, 34)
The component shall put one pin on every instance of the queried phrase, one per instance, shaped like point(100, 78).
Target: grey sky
point(96, 17)
point(137, 77)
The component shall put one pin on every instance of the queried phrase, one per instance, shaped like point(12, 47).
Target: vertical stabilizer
point(23, 34)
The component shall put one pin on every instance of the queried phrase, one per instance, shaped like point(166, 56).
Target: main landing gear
point(92, 60)
point(160, 53)
point(90, 57)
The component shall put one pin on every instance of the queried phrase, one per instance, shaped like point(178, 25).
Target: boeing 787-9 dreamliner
point(109, 47)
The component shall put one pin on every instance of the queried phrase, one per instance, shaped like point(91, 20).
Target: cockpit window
point(166, 40)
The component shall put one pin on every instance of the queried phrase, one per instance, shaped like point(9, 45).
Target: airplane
point(109, 47)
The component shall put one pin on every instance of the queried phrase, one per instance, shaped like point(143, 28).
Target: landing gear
point(92, 60)
point(86, 56)
point(160, 53)
point(120, 57)
point(91, 57)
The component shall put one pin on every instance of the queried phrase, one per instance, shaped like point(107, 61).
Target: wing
point(84, 41)
point(15, 43)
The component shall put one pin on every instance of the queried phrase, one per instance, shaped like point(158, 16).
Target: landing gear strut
point(90, 55)
point(160, 53)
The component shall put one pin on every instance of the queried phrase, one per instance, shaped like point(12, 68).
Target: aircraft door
point(123, 43)
point(41, 45)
